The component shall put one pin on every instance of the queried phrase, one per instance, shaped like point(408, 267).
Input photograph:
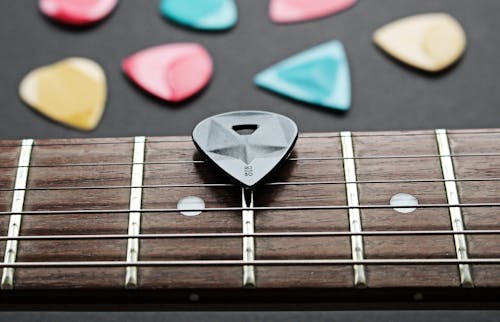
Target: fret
point(102, 223)
point(10, 253)
point(455, 212)
point(354, 214)
point(401, 247)
point(300, 221)
point(317, 160)
point(206, 222)
point(248, 242)
point(134, 226)
point(473, 141)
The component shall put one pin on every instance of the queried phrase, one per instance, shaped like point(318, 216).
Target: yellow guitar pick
point(71, 91)
point(431, 42)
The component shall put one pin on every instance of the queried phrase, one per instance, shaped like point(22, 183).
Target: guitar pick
point(77, 12)
point(318, 76)
point(72, 92)
point(431, 42)
point(201, 14)
point(247, 145)
point(287, 11)
point(172, 72)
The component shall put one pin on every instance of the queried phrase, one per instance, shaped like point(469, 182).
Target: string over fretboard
point(377, 210)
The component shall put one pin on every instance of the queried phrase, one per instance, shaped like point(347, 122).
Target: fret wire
point(135, 202)
point(452, 197)
point(247, 220)
point(404, 233)
point(312, 136)
point(282, 183)
point(239, 209)
point(352, 198)
point(15, 220)
point(372, 157)
point(272, 262)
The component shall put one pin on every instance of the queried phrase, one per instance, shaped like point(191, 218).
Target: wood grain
point(480, 192)
point(389, 219)
point(168, 151)
point(51, 152)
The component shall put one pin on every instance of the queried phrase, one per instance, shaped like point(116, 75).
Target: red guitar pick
point(172, 72)
point(77, 12)
point(286, 11)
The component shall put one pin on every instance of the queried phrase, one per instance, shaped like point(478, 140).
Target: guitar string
point(257, 262)
point(310, 136)
point(232, 185)
point(376, 157)
point(239, 209)
point(367, 233)
point(281, 262)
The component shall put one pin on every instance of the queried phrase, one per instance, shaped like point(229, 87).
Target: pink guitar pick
point(172, 72)
point(286, 11)
point(77, 12)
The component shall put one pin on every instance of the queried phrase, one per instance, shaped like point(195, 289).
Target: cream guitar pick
point(431, 42)
point(71, 91)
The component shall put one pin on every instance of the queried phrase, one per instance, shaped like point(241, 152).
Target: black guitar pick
point(247, 145)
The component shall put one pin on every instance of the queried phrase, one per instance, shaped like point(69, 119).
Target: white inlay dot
point(406, 200)
point(191, 203)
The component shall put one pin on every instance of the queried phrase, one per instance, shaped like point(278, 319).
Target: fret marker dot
point(404, 199)
point(190, 203)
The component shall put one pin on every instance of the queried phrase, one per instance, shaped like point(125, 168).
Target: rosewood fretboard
point(341, 241)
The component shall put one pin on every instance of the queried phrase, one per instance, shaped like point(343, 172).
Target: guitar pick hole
point(245, 129)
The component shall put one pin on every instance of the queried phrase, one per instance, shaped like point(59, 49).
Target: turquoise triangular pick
point(201, 14)
point(319, 76)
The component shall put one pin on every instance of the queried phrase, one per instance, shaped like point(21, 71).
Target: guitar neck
point(362, 217)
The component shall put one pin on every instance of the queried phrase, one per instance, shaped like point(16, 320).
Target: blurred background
point(386, 94)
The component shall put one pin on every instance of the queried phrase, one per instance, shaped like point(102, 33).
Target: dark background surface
point(386, 95)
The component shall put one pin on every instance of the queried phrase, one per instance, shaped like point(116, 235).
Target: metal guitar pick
point(247, 145)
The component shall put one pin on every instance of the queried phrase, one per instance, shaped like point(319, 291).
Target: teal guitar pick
point(201, 14)
point(318, 76)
